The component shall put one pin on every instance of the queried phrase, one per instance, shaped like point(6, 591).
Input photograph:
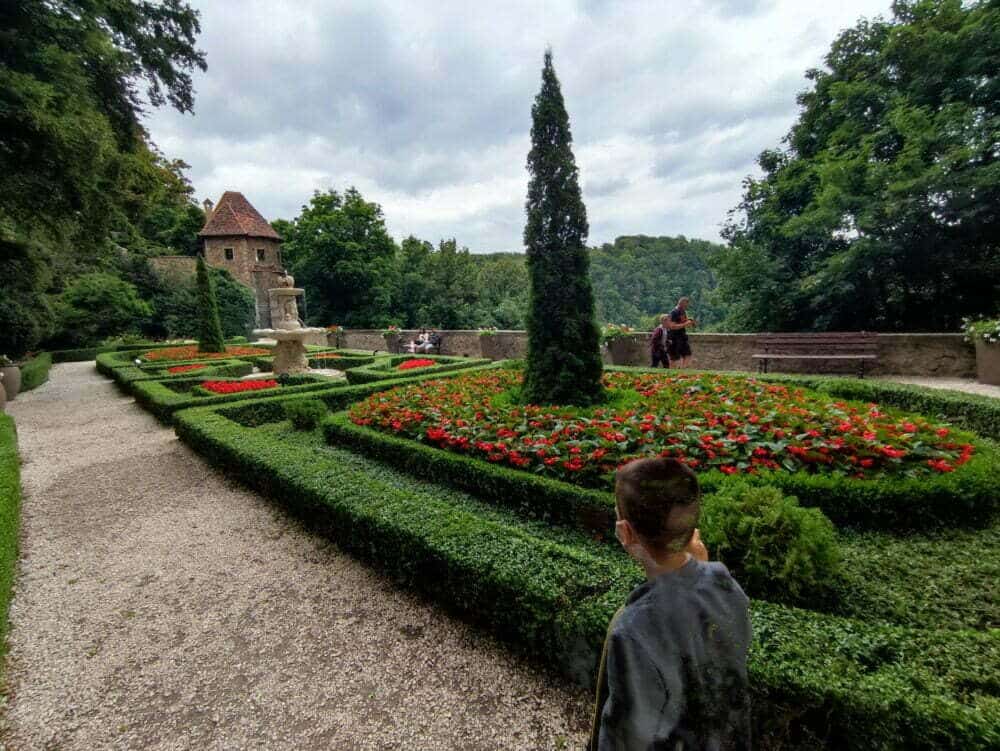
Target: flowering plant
point(236, 387)
point(335, 329)
point(411, 364)
point(390, 331)
point(184, 368)
point(488, 331)
point(612, 331)
point(728, 423)
point(325, 356)
point(190, 352)
point(986, 329)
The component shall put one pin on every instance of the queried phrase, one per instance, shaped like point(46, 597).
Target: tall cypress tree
point(564, 355)
point(210, 337)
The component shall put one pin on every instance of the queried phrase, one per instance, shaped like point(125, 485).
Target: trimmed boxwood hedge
point(344, 362)
point(817, 679)
point(10, 516)
point(35, 371)
point(108, 361)
point(216, 369)
point(386, 368)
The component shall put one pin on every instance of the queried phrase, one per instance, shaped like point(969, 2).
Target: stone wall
point(935, 355)
point(174, 268)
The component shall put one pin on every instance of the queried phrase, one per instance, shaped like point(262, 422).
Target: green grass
point(10, 516)
point(35, 371)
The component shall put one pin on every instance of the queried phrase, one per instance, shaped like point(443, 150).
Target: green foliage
point(305, 414)
point(178, 314)
point(878, 215)
point(210, 337)
point(639, 278)
point(340, 252)
point(986, 329)
point(96, 306)
point(564, 357)
point(834, 681)
point(10, 516)
point(776, 549)
point(77, 177)
point(35, 371)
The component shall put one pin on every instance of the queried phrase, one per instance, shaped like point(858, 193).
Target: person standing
point(679, 348)
point(658, 343)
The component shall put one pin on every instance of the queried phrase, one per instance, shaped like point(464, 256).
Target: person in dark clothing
point(658, 343)
point(679, 348)
point(673, 673)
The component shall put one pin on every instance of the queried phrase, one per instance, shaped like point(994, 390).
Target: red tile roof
point(234, 216)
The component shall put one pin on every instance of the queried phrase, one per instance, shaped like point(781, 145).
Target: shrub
point(387, 369)
point(10, 515)
point(776, 549)
point(35, 371)
point(96, 306)
point(210, 337)
point(305, 414)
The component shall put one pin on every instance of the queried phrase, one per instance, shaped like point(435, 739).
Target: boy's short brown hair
point(661, 499)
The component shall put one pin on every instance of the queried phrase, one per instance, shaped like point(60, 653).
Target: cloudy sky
point(426, 106)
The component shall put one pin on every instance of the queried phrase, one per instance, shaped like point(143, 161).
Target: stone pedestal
point(290, 351)
point(987, 362)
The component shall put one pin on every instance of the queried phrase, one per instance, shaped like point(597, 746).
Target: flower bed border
point(126, 376)
point(386, 368)
point(845, 683)
point(107, 362)
point(968, 497)
point(10, 516)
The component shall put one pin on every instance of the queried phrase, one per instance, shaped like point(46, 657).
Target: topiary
point(776, 549)
point(305, 414)
point(210, 338)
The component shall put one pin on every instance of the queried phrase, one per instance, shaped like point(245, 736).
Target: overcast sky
point(426, 106)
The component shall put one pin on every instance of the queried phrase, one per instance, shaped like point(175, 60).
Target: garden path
point(160, 606)
point(967, 385)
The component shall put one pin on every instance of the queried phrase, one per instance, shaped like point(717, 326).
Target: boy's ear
point(625, 533)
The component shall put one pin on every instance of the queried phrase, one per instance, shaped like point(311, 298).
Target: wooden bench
point(860, 347)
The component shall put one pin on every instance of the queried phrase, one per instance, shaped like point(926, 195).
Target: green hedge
point(125, 376)
point(344, 362)
point(10, 516)
point(536, 496)
point(35, 371)
point(843, 683)
point(165, 397)
point(386, 368)
point(122, 358)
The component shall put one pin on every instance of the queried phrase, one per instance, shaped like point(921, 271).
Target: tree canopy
point(882, 209)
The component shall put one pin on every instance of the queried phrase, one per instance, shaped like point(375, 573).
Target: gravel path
point(968, 385)
point(158, 606)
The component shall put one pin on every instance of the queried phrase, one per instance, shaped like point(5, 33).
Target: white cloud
point(425, 107)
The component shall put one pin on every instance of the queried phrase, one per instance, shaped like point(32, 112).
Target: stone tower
point(238, 239)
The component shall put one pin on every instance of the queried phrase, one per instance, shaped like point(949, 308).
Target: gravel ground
point(158, 606)
point(967, 385)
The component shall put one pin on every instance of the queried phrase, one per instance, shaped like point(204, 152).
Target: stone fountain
point(288, 331)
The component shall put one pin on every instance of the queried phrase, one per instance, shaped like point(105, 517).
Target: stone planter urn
point(11, 381)
point(392, 343)
point(988, 362)
point(619, 350)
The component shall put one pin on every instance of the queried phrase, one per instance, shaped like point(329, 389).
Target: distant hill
point(635, 279)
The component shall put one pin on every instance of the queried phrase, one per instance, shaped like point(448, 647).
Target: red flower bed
point(190, 352)
point(236, 387)
point(325, 356)
point(185, 368)
point(411, 364)
point(730, 423)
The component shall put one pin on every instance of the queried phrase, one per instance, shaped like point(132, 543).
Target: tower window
point(261, 255)
point(229, 254)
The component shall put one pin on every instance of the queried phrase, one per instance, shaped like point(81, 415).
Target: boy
point(673, 673)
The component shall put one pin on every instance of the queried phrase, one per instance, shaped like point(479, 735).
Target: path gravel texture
point(968, 385)
point(159, 606)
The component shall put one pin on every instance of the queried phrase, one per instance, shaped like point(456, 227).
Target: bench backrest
point(836, 343)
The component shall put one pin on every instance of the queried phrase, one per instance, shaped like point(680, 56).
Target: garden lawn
point(551, 589)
